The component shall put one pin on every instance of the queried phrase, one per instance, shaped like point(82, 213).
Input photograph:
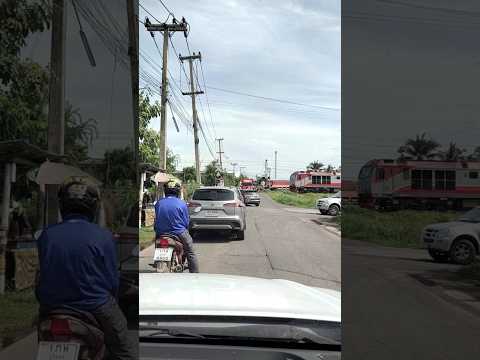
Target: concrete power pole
point(166, 29)
point(56, 102)
point(133, 53)
point(220, 152)
point(194, 92)
point(275, 164)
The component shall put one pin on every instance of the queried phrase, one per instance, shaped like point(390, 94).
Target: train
point(425, 184)
point(315, 181)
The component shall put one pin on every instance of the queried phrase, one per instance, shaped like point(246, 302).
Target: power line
point(273, 99)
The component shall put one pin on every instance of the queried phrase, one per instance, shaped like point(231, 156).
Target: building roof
point(22, 152)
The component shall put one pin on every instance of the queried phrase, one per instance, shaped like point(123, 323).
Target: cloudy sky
point(408, 67)
point(286, 50)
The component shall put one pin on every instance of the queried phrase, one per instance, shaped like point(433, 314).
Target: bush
point(396, 228)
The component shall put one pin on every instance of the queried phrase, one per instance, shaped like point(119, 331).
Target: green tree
point(188, 174)
point(453, 153)
point(149, 143)
point(475, 155)
point(420, 148)
point(315, 165)
point(209, 175)
point(24, 83)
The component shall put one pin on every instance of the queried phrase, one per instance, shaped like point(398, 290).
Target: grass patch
point(286, 197)
point(18, 312)
point(397, 228)
point(146, 236)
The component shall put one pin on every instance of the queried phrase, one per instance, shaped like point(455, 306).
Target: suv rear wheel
point(462, 252)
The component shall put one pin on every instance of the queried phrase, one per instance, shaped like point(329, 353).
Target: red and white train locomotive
point(315, 181)
point(419, 184)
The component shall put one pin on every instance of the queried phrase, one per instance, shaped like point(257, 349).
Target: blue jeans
point(187, 242)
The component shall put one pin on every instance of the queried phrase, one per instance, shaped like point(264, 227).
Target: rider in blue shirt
point(172, 217)
point(78, 267)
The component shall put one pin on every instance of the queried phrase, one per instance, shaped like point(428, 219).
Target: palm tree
point(475, 155)
point(420, 148)
point(453, 153)
point(315, 165)
point(329, 168)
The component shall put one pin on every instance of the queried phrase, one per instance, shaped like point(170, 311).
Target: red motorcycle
point(169, 256)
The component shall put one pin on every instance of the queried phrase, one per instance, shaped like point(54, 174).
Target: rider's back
point(78, 265)
point(171, 216)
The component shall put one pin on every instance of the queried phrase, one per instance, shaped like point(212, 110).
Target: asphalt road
point(399, 304)
point(280, 242)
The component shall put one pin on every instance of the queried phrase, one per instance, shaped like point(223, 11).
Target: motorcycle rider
point(78, 267)
point(172, 217)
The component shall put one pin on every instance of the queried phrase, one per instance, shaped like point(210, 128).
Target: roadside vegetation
point(146, 236)
point(397, 228)
point(287, 197)
point(19, 311)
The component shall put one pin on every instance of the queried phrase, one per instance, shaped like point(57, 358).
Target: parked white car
point(330, 205)
point(457, 241)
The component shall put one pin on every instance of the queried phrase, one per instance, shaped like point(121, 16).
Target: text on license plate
point(211, 213)
point(163, 254)
point(49, 350)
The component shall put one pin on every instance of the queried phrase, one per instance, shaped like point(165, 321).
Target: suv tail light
point(233, 204)
point(60, 327)
point(193, 204)
point(162, 242)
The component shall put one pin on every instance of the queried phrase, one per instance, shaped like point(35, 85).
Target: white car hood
point(216, 295)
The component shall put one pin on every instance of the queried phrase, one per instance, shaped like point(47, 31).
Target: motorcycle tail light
point(163, 243)
point(60, 327)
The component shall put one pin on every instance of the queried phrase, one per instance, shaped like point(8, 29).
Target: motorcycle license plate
point(163, 254)
point(50, 350)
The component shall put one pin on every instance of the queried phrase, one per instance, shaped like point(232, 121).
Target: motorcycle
point(67, 334)
point(70, 334)
point(169, 255)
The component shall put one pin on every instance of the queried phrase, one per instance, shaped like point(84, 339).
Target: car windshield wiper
point(170, 333)
point(245, 332)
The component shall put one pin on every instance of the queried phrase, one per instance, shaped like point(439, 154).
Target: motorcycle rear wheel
point(163, 266)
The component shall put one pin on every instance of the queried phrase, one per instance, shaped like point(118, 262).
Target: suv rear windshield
point(213, 195)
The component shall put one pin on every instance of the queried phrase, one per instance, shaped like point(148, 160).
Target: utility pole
point(266, 167)
point(241, 172)
point(133, 53)
point(194, 92)
point(220, 152)
point(56, 101)
point(275, 164)
point(166, 29)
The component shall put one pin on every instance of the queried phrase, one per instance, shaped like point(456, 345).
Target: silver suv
point(217, 208)
point(251, 197)
point(330, 205)
point(458, 241)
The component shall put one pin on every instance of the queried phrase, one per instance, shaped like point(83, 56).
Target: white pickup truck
point(330, 205)
point(457, 241)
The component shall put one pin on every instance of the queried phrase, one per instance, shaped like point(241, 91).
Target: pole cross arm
point(192, 93)
point(164, 26)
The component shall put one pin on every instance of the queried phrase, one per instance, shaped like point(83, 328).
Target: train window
point(326, 179)
point(445, 180)
point(380, 173)
point(338, 177)
point(422, 179)
point(473, 174)
point(316, 179)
